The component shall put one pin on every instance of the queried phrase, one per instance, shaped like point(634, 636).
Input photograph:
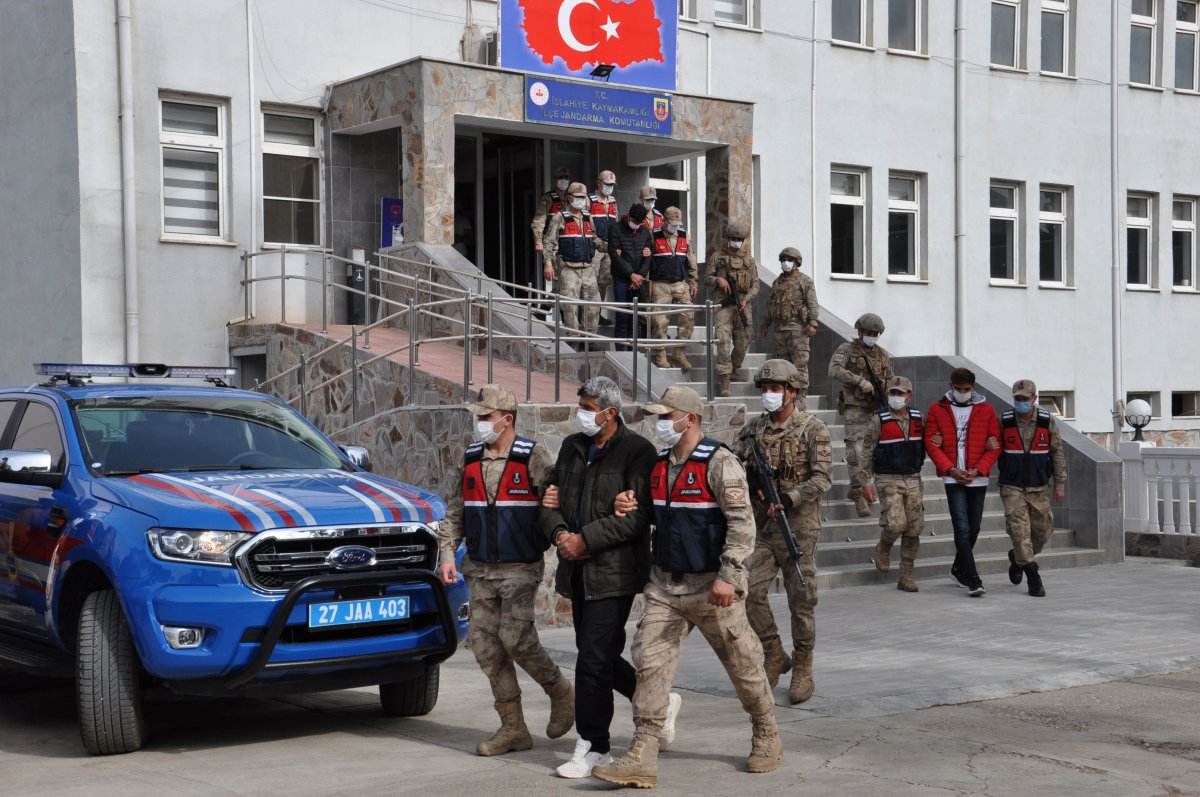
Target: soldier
point(604, 216)
point(1031, 453)
point(549, 204)
point(792, 311)
point(672, 281)
point(496, 510)
point(704, 532)
point(896, 436)
point(797, 447)
point(733, 265)
point(569, 248)
point(862, 367)
point(654, 218)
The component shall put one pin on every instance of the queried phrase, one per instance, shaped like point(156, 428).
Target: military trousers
point(769, 558)
point(603, 274)
point(672, 293)
point(502, 627)
point(901, 507)
point(578, 281)
point(1029, 520)
point(792, 345)
point(858, 422)
point(733, 339)
point(666, 622)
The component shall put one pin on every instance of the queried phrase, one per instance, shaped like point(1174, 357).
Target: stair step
point(936, 569)
point(839, 554)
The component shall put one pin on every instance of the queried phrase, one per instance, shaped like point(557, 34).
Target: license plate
point(369, 610)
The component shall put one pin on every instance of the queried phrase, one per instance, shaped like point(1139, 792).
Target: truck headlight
point(197, 547)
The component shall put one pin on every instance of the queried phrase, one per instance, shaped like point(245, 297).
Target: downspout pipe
point(812, 144)
point(1118, 376)
point(128, 184)
point(960, 76)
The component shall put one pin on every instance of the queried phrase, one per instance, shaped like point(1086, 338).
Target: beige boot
point(637, 767)
point(802, 680)
point(680, 359)
point(766, 749)
point(883, 556)
point(660, 358)
point(908, 558)
point(723, 387)
point(513, 735)
point(776, 662)
point(562, 707)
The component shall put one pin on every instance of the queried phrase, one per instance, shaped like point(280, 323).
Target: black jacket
point(630, 244)
point(619, 547)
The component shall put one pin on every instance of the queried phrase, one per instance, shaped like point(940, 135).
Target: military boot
point(1035, 580)
point(776, 661)
point(723, 387)
point(513, 735)
point(802, 680)
point(908, 558)
point(1014, 569)
point(562, 706)
point(637, 767)
point(861, 505)
point(660, 358)
point(883, 555)
point(766, 749)
point(680, 359)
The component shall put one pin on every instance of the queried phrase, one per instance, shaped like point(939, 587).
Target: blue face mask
point(1022, 407)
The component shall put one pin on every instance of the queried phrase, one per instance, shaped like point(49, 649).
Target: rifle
point(880, 398)
point(765, 480)
point(736, 296)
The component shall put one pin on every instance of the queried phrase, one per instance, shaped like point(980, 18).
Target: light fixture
point(1137, 415)
point(602, 71)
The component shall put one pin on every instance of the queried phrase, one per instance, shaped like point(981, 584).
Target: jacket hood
point(976, 397)
point(271, 499)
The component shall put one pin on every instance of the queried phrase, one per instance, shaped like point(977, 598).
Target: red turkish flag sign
point(617, 32)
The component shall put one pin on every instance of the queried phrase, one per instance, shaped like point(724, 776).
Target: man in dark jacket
point(629, 243)
point(604, 560)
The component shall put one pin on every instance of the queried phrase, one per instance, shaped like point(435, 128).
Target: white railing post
point(1168, 497)
point(1133, 471)
point(1153, 479)
point(1185, 497)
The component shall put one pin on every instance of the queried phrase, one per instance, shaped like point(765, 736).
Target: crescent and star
point(568, 35)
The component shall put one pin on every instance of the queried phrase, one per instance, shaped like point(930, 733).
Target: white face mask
point(633, 225)
point(607, 189)
point(787, 265)
point(563, 184)
point(735, 245)
point(772, 402)
point(578, 203)
point(585, 420)
point(963, 398)
point(870, 340)
point(672, 229)
point(649, 203)
point(897, 402)
point(485, 431)
point(665, 433)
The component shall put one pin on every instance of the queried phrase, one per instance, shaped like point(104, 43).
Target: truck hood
point(269, 499)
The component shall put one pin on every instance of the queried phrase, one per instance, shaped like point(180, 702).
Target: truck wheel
point(415, 697)
point(108, 678)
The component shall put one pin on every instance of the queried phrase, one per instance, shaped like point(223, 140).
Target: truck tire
point(108, 678)
point(415, 697)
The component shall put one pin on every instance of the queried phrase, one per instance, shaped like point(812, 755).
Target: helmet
point(577, 189)
point(792, 252)
point(781, 371)
point(869, 322)
point(736, 229)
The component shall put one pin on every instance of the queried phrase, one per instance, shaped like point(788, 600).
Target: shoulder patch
point(735, 495)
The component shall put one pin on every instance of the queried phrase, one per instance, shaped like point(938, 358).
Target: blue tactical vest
point(1018, 467)
point(503, 530)
point(689, 526)
point(575, 244)
point(896, 454)
point(667, 264)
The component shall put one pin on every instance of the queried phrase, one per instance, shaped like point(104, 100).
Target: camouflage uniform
point(574, 280)
point(603, 262)
point(849, 366)
point(1027, 512)
point(732, 338)
point(901, 503)
point(678, 292)
point(792, 310)
point(502, 623)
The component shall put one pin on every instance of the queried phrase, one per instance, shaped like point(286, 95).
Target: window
point(1183, 242)
point(904, 211)
point(1187, 32)
point(849, 21)
point(1056, 37)
point(38, 431)
point(1052, 235)
point(1058, 402)
point(1138, 225)
point(1143, 42)
point(847, 208)
point(192, 139)
point(291, 180)
point(1153, 399)
point(1004, 221)
point(6, 411)
point(904, 25)
point(687, 9)
point(1006, 32)
point(735, 12)
point(1185, 405)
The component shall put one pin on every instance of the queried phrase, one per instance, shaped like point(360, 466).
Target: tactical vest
point(575, 244)
point(603, 217)
point(667, 264)
point(689, 526)
point(653, 221)
point(896, 454)
point(786, 303)
point(503, 530)
point(738, 269)
point(556, 203)
point(1021, 468)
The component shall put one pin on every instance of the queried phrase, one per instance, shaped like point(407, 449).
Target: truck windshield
point(127, 435)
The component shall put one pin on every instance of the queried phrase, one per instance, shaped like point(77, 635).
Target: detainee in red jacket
point(962, 435)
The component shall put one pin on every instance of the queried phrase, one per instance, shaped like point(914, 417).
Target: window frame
point(918, 7)
point(1061, 403)
point(1018, 32)
point(863, 12)
point(1010, 216)
point(194, 142)
point(1186, 397)
point(1151, 397)
point(751, 14)
point(1184, 227)
point(1192, 29)
point(1151, 24)
point(907, 207)
point(862, 264)
point(1143, 223)
point(687, 10)
point(1063, 219)
point(1060, 8)
point(292, 151)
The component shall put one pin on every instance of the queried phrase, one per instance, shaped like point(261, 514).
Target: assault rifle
point(736, 296)
point(764, 479)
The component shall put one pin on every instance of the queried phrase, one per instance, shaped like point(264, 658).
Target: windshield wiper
point(202, 468)
point(137, 472)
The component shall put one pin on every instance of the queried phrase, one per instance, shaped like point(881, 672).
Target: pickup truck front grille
point(275, 560)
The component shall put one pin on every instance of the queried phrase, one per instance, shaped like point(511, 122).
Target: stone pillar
point(729, 190)
point(428, 151)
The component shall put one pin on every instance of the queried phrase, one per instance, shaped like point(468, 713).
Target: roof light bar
point(89, 370)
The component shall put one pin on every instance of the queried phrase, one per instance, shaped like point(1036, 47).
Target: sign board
point(391, 222)
point(570, 38)
point(598, 106)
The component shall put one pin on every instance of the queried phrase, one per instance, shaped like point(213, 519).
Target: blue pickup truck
point(211, 541)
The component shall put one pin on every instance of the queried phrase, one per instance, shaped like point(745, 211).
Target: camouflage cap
point(577, 189)
point(1025, 387)
point(677, 397)
point(673, 214)
point(492, 398)
point(647, 192)
point(562, 171)
point(899, 383)
point(607, 177)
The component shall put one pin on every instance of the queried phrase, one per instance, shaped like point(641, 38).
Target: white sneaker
point(667, 735)
point(582, 761)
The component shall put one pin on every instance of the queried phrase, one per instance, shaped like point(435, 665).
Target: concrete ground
point(1093, 690)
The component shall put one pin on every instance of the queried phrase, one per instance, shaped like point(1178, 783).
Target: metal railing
point(1162, 486)
point(428, 309)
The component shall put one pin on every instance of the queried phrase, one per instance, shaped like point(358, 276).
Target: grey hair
point(603, 390)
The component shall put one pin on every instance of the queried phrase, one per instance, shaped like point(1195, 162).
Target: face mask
point(1023, 407)
point(672, 229)
point(585, 420)
point(648, 203)
point(485, 431)
point(665, 433)
point(787, 265)
point(963, 398)
point(870, 340)
point(897, 402)
point(578, 204)
point(563, 184)
point(735, 245)
point(607, 189)
point(772, 402)
point(633, 225)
